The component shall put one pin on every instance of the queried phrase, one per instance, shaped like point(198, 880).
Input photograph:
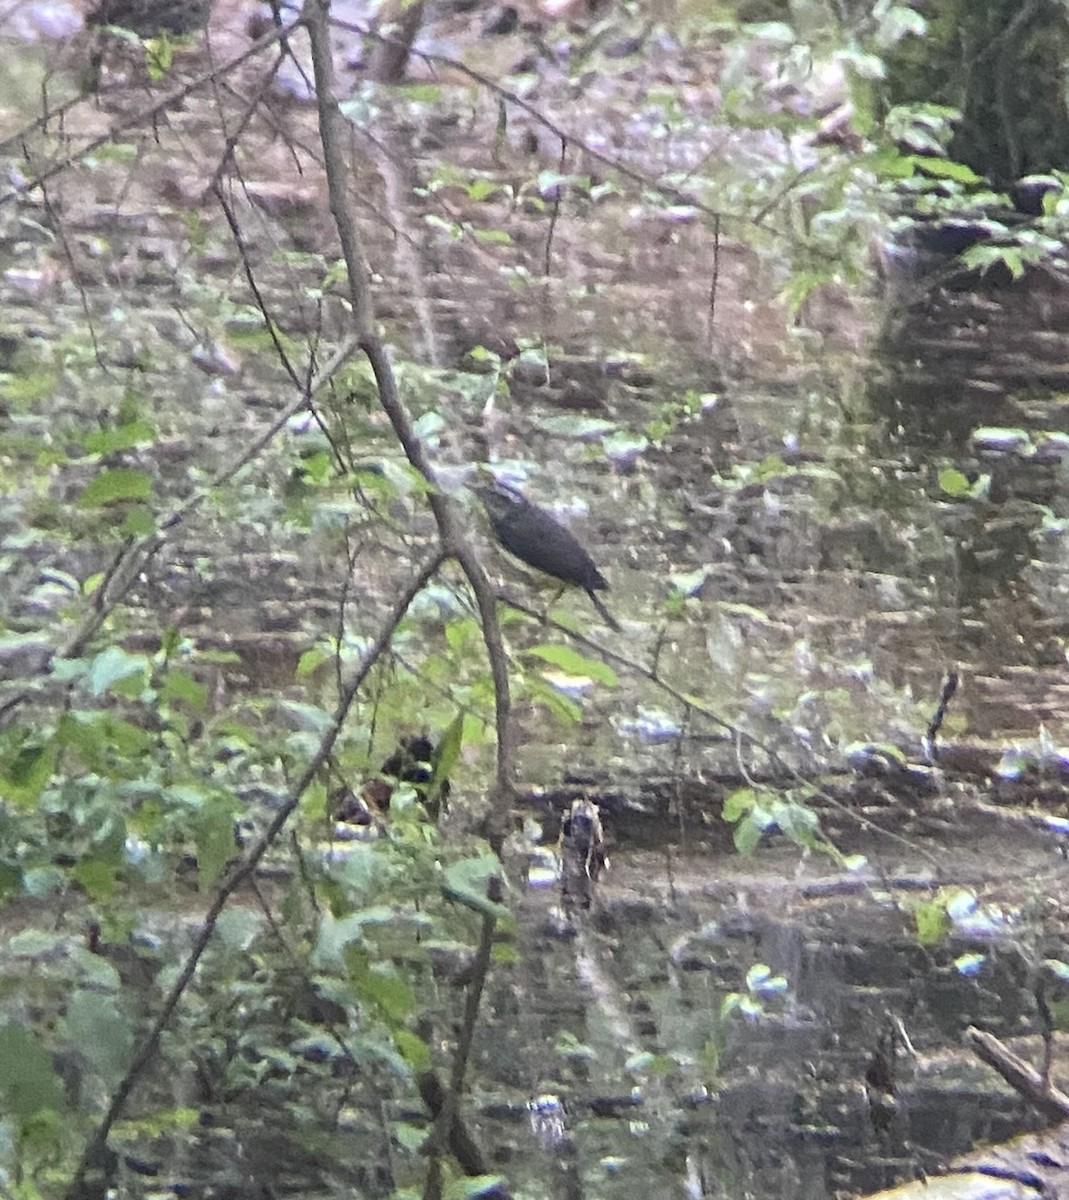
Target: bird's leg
point(558, 592)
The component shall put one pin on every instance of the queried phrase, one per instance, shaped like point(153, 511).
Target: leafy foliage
point(164, 707)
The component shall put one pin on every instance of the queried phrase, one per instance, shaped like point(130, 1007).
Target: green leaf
point(760, 980)
point(985, 256)
point(563, 707)
point(932, 921)
point(757, 975)
point(213, 832)
point(180, 685)
point(504, 955)
point(410, 1138)
point(423, 93)
point(646, 1063)
point(799, 823)
point(382, 985)
point(738, 803)
point(969, 963)
point(102, 1032)
point(98, 737)
point(953, 482)
point(688, 583)
point(446, 757)
point(482, 189)
point(336, 936)
point(122, 437)
point(311, 660)
point(888, 163)
point(748, 833)
point(946, 168)
point(730, 1004)
point(575, 664)
point(138, 521)
point(466, 882)
point(28, 1082)
point(27, 773)
point(69, 670)
point(462, 634)
point(114, 665)
point(97, 876)
point(117, 483)
point(493, 237)
point(159, 56)
point(413, 1050)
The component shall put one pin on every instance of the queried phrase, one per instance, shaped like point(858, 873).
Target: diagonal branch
point(316, 14)
point(144, 117)
point(332, 128)
point(244, 869)
point(135, 556)
point(565, 135)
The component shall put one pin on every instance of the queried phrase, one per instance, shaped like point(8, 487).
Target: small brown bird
point(415, 761)
point(582, 851)
point(542, 542)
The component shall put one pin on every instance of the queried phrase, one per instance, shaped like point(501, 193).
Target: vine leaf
point(28, 1083)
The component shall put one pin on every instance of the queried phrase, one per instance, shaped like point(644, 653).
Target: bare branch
point(1036, 1088)
point(566, 136)
point(316, 15)
point(245, 868)
point(136, 555)
point(145, 116)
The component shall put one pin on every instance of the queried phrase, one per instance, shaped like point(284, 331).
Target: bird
point(541, 541)
point(415, 761)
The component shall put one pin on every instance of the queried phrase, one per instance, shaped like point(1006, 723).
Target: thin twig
point(170, 100)
point(451, 530)
point(715, 279)
point(565, 135)
point(461, 1055)
point(250, 277)
point(245, 867)
point(691, 704)
point(135, 556)
point(250, 109)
